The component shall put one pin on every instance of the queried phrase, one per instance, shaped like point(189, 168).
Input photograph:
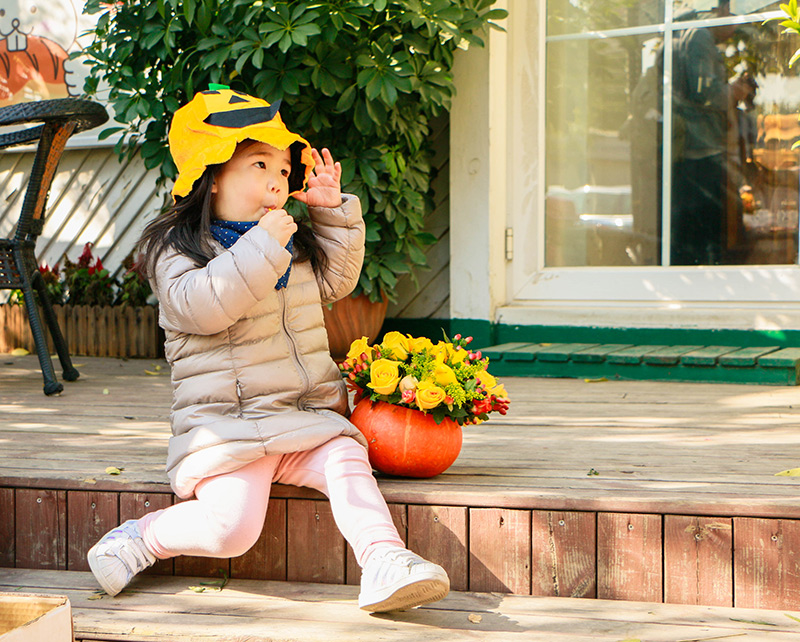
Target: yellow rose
point(486, 379)
point(357, 348)
point(397, 343)
point(443, 374)
point(419, 344)
point(384, 376)
point(429, 395)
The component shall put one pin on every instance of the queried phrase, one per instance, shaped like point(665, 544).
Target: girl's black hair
point(186, 226)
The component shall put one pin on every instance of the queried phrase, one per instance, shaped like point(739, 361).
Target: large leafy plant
point(362, 77)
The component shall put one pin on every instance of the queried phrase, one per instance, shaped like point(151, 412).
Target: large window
point(669, 132)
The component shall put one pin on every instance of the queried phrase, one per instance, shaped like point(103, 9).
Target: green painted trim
point(489, 334)
point(609, 371)
point(482, 332)
point(646, 336)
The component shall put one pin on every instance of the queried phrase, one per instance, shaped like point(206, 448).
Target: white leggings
point(228, 515)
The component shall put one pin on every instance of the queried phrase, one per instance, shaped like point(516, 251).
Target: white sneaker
point(118, 556)
point(395, 579)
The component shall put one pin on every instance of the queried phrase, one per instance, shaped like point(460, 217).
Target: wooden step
point(712, 364)
point(160, 609)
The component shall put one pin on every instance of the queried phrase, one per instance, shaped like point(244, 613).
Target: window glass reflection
point(602, 152)
point(734, 174)
point(575, 16)
point(700, 9)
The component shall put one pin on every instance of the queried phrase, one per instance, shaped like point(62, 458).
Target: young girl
point(257, 398)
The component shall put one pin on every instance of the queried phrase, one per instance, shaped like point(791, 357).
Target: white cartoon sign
point(36, 37)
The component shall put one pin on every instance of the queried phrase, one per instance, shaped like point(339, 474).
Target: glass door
point(669, 168)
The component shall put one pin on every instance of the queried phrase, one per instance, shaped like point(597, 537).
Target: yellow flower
point(440, 351)
point(499, 391)
point(458, 355)
point(357, 348)
point(419, 344)
point(429, 395)
point(443, 374)
point(397, 343)
point(486, 379)
point(384, 376)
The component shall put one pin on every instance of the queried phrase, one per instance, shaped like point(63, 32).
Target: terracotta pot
point(351, 318)
point(406, 442)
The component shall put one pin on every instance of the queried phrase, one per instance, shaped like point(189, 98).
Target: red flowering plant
point(446, 379)
point(87, 281)
point(53, 283)
point(134, 289)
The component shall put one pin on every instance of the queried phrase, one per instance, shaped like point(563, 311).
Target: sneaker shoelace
point(133, 557)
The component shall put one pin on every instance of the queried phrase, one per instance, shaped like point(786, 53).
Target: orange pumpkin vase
point(406, 442)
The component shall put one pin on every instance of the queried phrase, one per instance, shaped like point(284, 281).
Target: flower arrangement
point(445, 379)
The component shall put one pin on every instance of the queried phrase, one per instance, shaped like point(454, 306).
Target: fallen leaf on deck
point(95, 597)
point(220, 583)
point(591, 472)
point(113, 470)
point(598, 380)
point(792, 472)
point(105, 391)
point(90, 480)
point(204, 589)
point(19, 352)
point(151, 373)
point(475, 618)
point(792, 617)
point(762, 623)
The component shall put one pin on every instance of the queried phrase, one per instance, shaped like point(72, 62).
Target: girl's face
point(254, 181)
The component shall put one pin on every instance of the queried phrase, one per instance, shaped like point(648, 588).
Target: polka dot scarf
point(228, 232)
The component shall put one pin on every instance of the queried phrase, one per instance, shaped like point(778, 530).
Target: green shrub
point(361, 77)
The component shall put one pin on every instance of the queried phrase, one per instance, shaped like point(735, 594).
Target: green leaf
point(109, 132)
point(347, 99)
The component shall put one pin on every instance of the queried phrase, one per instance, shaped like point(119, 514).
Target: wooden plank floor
point(627, 490)
point(686, 448)
point(166, 609)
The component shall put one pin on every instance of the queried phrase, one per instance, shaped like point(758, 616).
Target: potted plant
point(412, 397)
point(361, 77)
point(98, 315)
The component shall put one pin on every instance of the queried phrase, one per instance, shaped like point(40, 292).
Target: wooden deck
point(167, 609)
point(631, 490)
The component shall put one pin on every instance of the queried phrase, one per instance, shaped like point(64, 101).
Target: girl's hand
point(279, 224)
point(324, 188)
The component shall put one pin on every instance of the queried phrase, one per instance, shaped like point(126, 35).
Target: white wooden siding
point(94, 198)
point(431, 300)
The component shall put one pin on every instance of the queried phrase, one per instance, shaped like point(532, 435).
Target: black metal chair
point(18, 266)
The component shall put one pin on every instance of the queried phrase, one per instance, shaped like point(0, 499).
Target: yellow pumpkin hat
point(206, 131)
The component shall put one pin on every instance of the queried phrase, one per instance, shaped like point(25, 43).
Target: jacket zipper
point(293, 347)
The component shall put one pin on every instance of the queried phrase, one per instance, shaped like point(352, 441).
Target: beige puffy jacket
point(252, 374)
